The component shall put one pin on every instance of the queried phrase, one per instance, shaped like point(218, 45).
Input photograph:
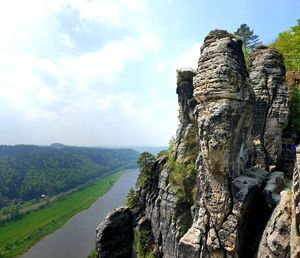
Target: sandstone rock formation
point(224, 116)
point(271, 108)
point(212, 196)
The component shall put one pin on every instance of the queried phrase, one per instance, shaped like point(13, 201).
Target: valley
point(43, 187)
point(17, 236)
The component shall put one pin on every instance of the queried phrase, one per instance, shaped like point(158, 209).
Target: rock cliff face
point(212, 196)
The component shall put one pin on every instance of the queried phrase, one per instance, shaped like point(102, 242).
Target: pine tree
point(250, 40)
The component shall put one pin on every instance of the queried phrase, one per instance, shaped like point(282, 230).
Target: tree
point(288, 44)
point(250, 41)
point(145, 162)
point(131, 199)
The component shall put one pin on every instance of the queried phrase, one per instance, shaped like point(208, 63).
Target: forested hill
point(28, 171)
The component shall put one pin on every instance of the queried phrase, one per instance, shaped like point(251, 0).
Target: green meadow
point(18, 236)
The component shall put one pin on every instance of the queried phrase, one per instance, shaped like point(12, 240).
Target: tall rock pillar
point(224, 120)
point(187, 124)
point(271, 107)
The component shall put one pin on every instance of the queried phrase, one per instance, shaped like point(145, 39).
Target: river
point(76, 238)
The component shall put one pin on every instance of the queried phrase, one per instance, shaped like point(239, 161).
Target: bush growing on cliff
point(182, 179)
point(142, 242)
point(191, 144)
point(131, 199)
point(147, 172)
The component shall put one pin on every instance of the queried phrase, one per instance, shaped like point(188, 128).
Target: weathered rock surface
point(275, 241)
point(224, 116)
point(267, 74)
point(114, 236)
point(275, 184)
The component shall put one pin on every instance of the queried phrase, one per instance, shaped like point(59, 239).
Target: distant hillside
point(28, 171)
point(152, 149)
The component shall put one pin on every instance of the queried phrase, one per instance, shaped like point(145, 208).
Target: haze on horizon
point(103, 73)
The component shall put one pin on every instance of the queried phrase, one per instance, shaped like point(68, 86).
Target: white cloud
point(66, 40)
point(19, 20)
point(189, 58)
point(93, 11)
point(71, 97)
point(117, 13)
point(82, 74)
point(75, 91)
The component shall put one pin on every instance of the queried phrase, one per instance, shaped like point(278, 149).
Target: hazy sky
point(104, 72)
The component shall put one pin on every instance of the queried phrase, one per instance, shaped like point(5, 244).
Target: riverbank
point(17, 237)
point(76, 238)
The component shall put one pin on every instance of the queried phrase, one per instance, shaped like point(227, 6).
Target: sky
point(103, 72)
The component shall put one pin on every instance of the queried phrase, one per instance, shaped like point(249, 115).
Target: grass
point(93, 254)
point(17, 237)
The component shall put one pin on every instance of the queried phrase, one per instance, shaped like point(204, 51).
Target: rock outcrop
point(114, 236)
point(267, 74)
point(224, 116)
point(211, 195)
point(275, 241)
point(187, 124)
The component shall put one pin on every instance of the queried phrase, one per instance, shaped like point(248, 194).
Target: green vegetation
point(131, 199)
point(142, 242)
point(182, 179)
point(250, 40)
point(288, 45)
point(295, 109)
point(179, 75)
point(16, 237)
point(147, 172)
point(92, 254)
point(247, 55)
point(191, 144)
point(183, 228)
point(27, 172)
